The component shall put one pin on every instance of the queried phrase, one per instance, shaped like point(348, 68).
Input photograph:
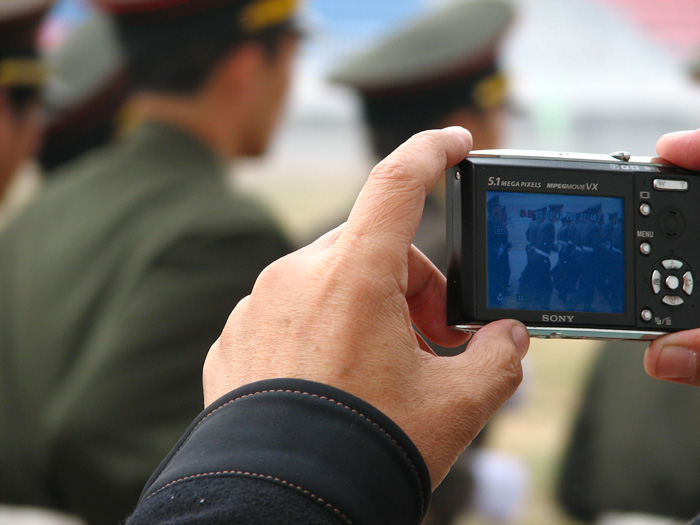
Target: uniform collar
point(176, 147)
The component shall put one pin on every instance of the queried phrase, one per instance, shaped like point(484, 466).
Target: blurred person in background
point(634, 445)
point(22, 76)
point(88, 86)
point(442, 69)
point(693, 67)
point(117, 278)
point(634, 448)
point(633, 455)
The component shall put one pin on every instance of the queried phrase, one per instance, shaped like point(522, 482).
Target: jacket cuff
point(309, 437)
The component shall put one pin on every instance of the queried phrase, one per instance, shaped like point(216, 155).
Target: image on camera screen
point(555, 252)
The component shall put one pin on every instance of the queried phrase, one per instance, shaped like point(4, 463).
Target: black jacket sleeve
point(288, 451)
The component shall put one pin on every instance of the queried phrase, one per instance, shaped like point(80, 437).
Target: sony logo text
point(552, 318)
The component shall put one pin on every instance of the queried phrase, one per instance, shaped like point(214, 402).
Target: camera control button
point(673, 282)
point(645, 209)
point(670, 185)
point(672, 223)
point(645, 248)
point(656, 281)
point(647, 315)
point(688, 283)
point(672, 264)
point(672, 300)
point(621, 155)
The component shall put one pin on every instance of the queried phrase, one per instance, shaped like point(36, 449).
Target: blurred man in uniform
point(89, 84)
point(441, 70)
point(635, 442)
point(116, 280)
point(22, 75)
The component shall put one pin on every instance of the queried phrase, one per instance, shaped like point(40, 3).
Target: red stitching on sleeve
point(286, 391)
point(325, 398)
point(263, 477)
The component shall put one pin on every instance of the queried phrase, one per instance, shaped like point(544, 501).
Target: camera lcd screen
point(555, 252)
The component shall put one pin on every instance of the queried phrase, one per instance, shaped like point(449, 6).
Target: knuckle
point(499, 364)
point(395, 169)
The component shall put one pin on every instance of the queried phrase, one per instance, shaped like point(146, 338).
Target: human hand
point(340, 312)
point(674, 357)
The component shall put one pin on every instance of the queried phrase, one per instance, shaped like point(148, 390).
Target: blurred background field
point(536, 431)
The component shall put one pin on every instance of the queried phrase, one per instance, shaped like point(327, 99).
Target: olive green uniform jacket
point(635, 443)
point(114, 283)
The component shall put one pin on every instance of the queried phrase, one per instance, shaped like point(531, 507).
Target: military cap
point(19, 24)
point(594, 210)
point(87, 87)
point(255, 15)
point(555, 207)
point(453, 45)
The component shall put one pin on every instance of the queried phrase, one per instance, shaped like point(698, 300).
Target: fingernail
point(677, 362)
point(522, 339)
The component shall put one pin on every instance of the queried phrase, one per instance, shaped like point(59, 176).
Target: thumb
point(492, 362)
point(468, 389)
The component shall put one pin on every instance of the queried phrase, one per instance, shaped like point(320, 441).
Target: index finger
point(390, 205)
point(681, 148)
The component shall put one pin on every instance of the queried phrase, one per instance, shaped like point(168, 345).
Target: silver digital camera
point(573, 245)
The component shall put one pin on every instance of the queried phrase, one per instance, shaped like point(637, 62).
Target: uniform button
point(645, 209)
point(646, 315)
point(645, 248)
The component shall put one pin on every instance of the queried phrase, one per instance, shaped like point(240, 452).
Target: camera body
point(573, 245)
